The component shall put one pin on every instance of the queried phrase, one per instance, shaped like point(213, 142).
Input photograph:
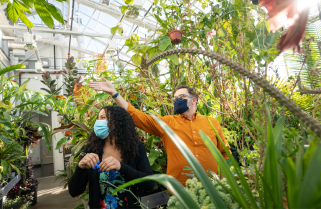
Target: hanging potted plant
point(175, 34)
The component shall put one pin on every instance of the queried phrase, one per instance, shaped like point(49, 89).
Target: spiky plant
point(71, 73)
point(307, 65)
point(50, 83)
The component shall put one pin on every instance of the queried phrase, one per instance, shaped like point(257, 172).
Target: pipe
point(12, 38)
point(54, 48)
point(14, 45)
point(72, 20)
point(19, 79)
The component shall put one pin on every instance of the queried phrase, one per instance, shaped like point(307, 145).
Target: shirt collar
point(194, 116)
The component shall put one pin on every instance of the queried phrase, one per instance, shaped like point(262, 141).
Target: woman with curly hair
point(114, 155)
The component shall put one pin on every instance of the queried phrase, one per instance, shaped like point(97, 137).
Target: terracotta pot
point(175, 36)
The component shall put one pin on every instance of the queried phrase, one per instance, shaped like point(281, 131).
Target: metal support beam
point(116, 13)
point(65, 45)
point(64, 32)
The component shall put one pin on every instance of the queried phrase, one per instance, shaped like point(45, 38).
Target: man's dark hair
point(190, 90)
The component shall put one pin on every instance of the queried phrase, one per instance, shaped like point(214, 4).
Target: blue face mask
point(101, 129)
point(181, 106)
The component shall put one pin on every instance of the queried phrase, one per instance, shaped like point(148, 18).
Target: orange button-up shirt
point(188, 131)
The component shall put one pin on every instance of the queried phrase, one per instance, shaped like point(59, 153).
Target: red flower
point(286, 12)
point(14, 81)
point(160, 144)
point(103, 205)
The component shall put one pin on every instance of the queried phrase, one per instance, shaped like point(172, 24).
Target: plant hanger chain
point(267, 87)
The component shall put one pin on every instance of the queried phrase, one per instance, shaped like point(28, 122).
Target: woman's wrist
point(113, 92)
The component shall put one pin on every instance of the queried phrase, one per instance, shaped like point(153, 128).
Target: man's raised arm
point(142, 120)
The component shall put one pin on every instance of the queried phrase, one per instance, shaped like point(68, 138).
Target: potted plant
point(11, 155)
point(27, 187)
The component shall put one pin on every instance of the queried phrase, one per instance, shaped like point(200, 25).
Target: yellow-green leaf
point(23, 86)
point(2, 105)
point(123, 9)
point(44, 14)
point(120, 31)
point(136, 59)
point(12, 13)
point(114, 29)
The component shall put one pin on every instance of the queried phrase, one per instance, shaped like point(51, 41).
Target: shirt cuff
point(122, 167)
point(81, 170)
point(130, 108)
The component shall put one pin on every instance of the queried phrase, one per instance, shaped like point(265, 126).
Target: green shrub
point(200, 196)
point(16, 203)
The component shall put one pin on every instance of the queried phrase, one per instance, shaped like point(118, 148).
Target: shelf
point(4, 191)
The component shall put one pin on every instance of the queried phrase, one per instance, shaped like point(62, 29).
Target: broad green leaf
point(310, 181)
point(56, 130)
point(236, 191)
point(44, 14)
point(23, 86)
point(2, 105)
point(61, 141)
point(129, 1)
point(55, 12)
point(161, 22)
point(45, 133)
point(120, 31)
point(238, 171)
point(11, 68)
point(39, 112)
point(15, 168)
point(271, 170)
point(169, 182)
point(85, 108)
point(136, 59)
point(156, 2)
point(123, 9)
point(250, 36)
point(174, 59)
point(80, 145)
point(291, 181)
point(308, 154)
point(164, 42)
point(12, 13)
point(65, 106)
point(156, 167)
point(21, 6)
point(24, 18)
point(82, 126)
point(114, 29)
point(4, 164)
point(28, 3)
point(152, 156)
point(193, 162)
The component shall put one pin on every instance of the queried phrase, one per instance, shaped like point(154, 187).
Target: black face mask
point(181, 106)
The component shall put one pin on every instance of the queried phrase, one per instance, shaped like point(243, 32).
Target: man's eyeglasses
point(180, 97)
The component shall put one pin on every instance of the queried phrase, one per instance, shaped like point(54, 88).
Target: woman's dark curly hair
point(122, 132)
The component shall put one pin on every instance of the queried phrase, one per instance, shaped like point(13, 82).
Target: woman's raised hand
point(88, 161)
point(105, 86)
point(109, 163)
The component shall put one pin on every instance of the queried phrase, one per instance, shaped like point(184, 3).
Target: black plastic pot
point(34, 200)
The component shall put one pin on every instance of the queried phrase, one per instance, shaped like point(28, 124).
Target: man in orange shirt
point(186, 125)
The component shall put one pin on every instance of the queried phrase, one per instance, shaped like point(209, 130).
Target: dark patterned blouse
point(108, 181)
